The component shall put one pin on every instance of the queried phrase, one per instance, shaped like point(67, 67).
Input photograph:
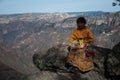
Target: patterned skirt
point(80, 60)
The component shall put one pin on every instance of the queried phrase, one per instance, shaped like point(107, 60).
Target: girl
point(81, 39)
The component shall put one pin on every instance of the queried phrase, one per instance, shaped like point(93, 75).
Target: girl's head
point(81, 21)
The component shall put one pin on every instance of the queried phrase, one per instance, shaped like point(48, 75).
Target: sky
point(51, 6)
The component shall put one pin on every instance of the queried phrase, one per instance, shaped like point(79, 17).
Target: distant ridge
point(77, 13)
point(88, 13)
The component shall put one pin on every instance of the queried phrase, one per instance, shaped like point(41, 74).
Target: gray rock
point(55, 61)
point(113, 63)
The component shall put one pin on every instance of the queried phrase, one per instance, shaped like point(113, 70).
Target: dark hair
point(81, 19)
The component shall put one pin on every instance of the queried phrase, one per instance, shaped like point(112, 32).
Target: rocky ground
point(53, 65)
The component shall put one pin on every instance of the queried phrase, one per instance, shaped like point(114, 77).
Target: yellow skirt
point(79, 60)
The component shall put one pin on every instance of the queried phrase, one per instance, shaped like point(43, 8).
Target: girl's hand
point(75, 43)
point(87, 44)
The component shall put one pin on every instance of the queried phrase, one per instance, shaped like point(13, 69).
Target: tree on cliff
point(116, 2)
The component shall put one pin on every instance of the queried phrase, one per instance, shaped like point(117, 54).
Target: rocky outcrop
point(113, 62)
point(52, 66)
point(54, 59)
point(54, 63)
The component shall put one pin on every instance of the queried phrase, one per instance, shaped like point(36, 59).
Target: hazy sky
point(29, 6)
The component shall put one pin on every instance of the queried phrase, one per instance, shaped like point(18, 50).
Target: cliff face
point(107, 29)
point(15, 59)
point(28, 30)
point(7, 73)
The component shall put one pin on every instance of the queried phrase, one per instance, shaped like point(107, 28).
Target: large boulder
point(113, 63)
point(54, 59)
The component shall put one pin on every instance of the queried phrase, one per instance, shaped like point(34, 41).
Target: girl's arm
point(73, 37)
point(90, 37)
